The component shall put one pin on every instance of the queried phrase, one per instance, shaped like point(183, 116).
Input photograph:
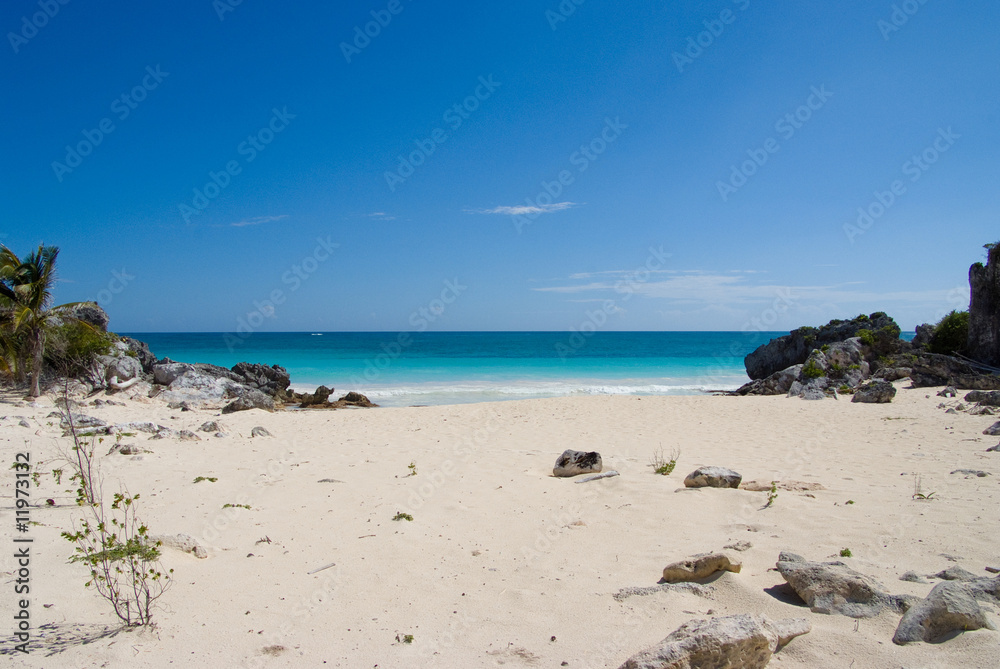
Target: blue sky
point(502, 166)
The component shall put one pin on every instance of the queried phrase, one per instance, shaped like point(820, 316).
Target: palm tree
point(25, 299)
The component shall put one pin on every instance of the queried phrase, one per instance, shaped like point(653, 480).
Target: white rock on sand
point(500, 556)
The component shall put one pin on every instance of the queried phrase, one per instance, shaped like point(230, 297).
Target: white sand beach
point(504, 564)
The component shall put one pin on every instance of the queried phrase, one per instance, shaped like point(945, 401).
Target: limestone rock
point(356, 399)
point(700, 567)
point(933, 369)
point(271, 381)
point(167, 371)
point(795, 348)
point(875, 392)
point(984, 309)
point(713, 477)
point(181, 542)
point(260, 432)
point(950, 607)
point(250, 399)
point(987, 397)
point(90, 313)
point(572, 463)
point(188, 435)
point(81, 421)
point(913, 577)
point(955, 574)
point(993, 430)
point(211, 426)
point(833, 587)
point(947, 391)
point(140, 350)
point(742, 641)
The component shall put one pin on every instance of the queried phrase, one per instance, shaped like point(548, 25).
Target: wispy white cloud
point(257, 221)
point(524, 209)
point(382, 216)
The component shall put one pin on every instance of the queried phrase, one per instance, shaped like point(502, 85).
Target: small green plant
point(845, 389)
point(402, 516)
point(812, 371)
point(846, 552)
point(123, 561)
point(918, 489)
point(236, 506)
point(406, 638)
point(867, 336)
point(661, 465)
point(850, 501)
point(772, 494)
point(413, 469)
point(210, 479)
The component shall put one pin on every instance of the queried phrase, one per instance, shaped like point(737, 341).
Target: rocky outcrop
point(250, 398)
point(984, 309)
point(140, 350)
point(273, 381)
point(91, 314)
point(950, 607)
point(988, 398)
point(573, 463)
point(713, 477)
point(700, 567)
point(875, 392)
point(833, 587)
point(932, 369)
point(745, 641)
point(924, 334)
point(794, 348)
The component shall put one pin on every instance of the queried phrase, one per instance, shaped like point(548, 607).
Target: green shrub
point(951, 334)
point(812, 371)
point(867, 336)
point(72, 346)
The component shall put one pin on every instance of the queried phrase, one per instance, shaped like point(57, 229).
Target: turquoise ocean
point(402, 369)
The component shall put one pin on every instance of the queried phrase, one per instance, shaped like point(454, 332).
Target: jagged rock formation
point(984, 309)
point(794, 348)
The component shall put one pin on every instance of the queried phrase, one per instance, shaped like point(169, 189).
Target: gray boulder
point(993, 430)
point(742, 641)
point(124, 367)
point(700, 567)
point(925, 333)
point(775, 384)
point(91, 314)
point(950, 607)
point(211, 426)
point(833, 587)
point(272, 380)
point(260, 432)
point(249, 399)
point(140, 351)
point(987, 397)
point(874, 392)
point(933, 369)
point(81, 421)
point(713, 477)
point(167, 371)
point(572, 463)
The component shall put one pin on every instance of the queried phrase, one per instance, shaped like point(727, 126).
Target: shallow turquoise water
point(398, 369)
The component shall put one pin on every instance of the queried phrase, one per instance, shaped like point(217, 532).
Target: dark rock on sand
point(573, 463)
point(984, 309)
point(875, 392)
point(713, 477)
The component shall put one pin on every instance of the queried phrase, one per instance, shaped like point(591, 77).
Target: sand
point(504, 564)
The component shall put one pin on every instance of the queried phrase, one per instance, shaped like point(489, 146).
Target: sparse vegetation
point(661, 465)
point(210, 479)
point(918, 490)
point(236, 506)
point(846, 552)
point(867, 336)
point(413, 469)
point(402, 516)
point(772, 494)
point(811, 370)
point(951, 334)
point(405, 638)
